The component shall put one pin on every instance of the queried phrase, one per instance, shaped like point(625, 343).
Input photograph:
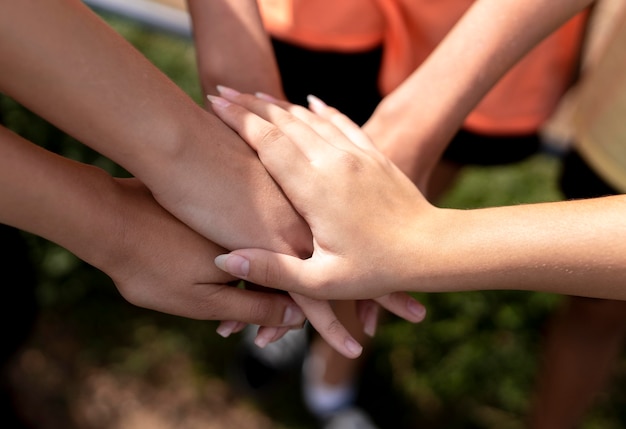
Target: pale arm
point(414, 123)
point(374, 233)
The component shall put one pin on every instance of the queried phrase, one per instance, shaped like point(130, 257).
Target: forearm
point(64, 63)
point(488, 40)
point(574, 247)
point(58, 199)
point(232, 47)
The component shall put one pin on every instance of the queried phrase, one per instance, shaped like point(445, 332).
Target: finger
point(298, 132)
point(268, 268)
point(322, 317)
point(281, 157)
point(325, 128)
point(228, 327)
point(351, 130)
point(269, 334)
point(403, 305)
point(368, 312)
point(219, 302)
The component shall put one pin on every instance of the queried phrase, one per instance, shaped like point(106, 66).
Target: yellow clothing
point(600, 112)
point(409, 30)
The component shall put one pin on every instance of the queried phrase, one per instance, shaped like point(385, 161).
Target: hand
point(171, 271)
point(353, 198)
point(157, 262)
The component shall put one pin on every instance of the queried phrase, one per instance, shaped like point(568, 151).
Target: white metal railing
point(149, 13)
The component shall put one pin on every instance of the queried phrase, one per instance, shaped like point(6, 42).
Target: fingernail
point(240, 327)
point(226, 328)
point(234, 264)
point(293, 316)
point(353, 347)
point(218, 101)
point(265, 336)
point(315, 103)
point(371, 321)
point(226, 91)
point(266, 97)
point(417, 309)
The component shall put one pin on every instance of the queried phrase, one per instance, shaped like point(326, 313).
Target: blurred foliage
point(471, 364)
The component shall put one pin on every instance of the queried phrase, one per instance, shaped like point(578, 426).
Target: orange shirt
point(409, 30)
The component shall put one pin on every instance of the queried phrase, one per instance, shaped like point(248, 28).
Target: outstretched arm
point(108, 222)
point(374, 233)
point(64, 63)
point(67, 65)
point(248, 64)
point(488, 40)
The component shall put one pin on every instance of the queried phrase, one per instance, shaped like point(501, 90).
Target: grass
point(471, 364)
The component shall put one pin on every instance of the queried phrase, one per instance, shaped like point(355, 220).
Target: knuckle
point(334, 327)
point(350, 162)
point(268, 134)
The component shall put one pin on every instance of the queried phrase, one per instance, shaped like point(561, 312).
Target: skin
point(171, 269)
point(76, 72)
point(568, 247)
point(588, 333)
point(249, 65)
point(447, 90)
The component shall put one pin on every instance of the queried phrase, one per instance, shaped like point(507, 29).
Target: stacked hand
point(342, 186)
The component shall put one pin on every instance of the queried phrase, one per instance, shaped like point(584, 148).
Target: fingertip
point(265, 335)
point(266, 97)
point(218, 101)
point(417, 309)
point(370, 322)
point(353, 348)
point(315, 104)
point(233, 264)
point(226, 328)
point(226, 91)
point(294, 316)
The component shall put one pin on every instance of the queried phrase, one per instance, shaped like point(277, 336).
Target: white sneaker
point(349, 418)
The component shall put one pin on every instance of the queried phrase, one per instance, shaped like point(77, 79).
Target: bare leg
point(581, 347)
point(329, 379)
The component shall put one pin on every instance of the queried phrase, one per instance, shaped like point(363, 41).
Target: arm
point(108, 222)
point(486, 42)
point(248, 63)
point(64, 63)
point(375, 233)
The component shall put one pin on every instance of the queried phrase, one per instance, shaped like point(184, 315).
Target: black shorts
point(349, 82)
point(578, 180)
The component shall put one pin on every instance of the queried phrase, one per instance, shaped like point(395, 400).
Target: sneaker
point(349, 418)
point(257, 368)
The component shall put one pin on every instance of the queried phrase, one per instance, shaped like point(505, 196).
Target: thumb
point(265, 268)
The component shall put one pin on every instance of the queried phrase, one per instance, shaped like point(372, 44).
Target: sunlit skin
point(336, 177)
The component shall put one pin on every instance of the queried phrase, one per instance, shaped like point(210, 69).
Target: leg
point(582, 344)
point(18, 315)
point(330, 379)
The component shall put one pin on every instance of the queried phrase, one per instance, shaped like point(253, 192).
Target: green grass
point(471, 364)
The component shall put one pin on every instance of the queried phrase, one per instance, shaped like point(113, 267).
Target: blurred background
point(93, 361)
